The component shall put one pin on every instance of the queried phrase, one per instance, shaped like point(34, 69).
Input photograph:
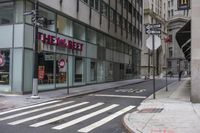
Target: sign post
point(153, 42)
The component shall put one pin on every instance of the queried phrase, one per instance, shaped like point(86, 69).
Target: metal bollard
point(35, 89)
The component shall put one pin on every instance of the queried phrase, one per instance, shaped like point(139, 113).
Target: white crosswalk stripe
point(105, 120)
point(75, 121)
point(35, 110)
point(65, 115)
point(46, 114)
point(28, 107)
point(61, 110)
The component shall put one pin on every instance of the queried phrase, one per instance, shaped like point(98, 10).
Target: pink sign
point(52, 40)
point(61, 63)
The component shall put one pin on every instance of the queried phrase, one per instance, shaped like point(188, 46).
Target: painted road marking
point(105, 120)
point(35, 110)
point(85, 117)
point(65, 115)
point(46, 114)
point(118, 96)
point(28, 107)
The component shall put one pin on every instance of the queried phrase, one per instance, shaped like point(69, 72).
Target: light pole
point(35, 53)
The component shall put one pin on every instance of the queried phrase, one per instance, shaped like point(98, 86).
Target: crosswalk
point(46, 113)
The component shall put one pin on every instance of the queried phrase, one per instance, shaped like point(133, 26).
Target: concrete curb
point(134, 130)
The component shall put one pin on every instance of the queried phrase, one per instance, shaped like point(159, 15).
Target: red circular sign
point(61, 63)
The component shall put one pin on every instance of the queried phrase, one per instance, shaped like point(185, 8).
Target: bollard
point(35, 89)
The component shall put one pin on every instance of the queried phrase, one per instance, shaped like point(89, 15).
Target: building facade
point(195, 48)
point(176, 20)
point(155, 11)
point(80, 42)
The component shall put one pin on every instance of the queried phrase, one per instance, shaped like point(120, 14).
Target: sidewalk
point(171, 112)
point(8, 101)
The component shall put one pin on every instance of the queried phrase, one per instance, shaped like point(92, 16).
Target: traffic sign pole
point(153, 42)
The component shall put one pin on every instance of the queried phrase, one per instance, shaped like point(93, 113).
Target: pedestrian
point(179, 75)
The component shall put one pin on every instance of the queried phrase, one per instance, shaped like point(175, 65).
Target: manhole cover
point(150, 110)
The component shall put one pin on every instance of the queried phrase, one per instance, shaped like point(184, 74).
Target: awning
point(183, 37)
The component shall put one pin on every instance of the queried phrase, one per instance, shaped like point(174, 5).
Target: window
point(97, 4)
point(92, 3)
point(101, 39)
point(130, 27)
point(130, 7)
point(78, 69)
point(6, 12)
point(4, 67)
point(172, 2)
point(61, 69)
point(86, 1)
point(172, 12)
point(45, 67)
point(79, 31)
point(104, 9)
point(126, 4)
point(170, 52)
point(168, 14)
point(112, 14)
point(91, 36)
point(49, 17)
point(64, 26)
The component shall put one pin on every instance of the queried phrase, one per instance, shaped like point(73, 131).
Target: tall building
point(79, 42)
point(155, 11)
point(176, 20)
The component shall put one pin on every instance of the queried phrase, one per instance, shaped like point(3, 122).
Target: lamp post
point(35, 53)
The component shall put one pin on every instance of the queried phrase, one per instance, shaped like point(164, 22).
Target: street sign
point(29, 13)
point(153, 29)
point(149, 42)
point(153, 32)
point(153, 26)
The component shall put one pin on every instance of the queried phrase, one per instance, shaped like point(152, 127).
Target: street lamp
point(34, 14)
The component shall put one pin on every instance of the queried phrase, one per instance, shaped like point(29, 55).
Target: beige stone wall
point(195, 51)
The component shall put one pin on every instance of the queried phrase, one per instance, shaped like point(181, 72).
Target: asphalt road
point(94, 113)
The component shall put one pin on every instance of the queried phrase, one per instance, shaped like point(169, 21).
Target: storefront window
point(64, 25)
point(45, 68)
point(93, 71)
point(61, 69)
point(6, 12)
point(49, 18)
point(101, 71)
point(4, 66)
point(78, 69)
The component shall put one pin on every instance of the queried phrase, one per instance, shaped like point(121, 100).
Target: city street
point(96, 113)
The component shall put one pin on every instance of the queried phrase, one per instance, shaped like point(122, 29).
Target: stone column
point(195, 51)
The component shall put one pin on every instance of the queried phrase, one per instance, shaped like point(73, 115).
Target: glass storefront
point(45, 70)
point(78, 69)
point(61, 70)
point(70, 53)
point(4, 67)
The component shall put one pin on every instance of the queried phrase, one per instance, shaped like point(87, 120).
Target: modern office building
point(155, 11)
point(176, 20)
point(80, 42)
